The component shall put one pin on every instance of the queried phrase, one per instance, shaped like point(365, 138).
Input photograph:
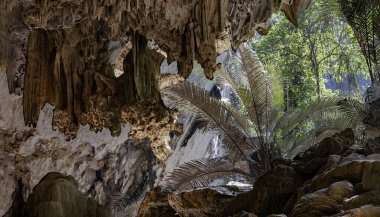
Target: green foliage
point(254, 128)
point(322, 43)
point(364, 18)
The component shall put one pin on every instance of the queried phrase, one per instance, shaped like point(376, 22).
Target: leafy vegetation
point(364, 18)
point(252, 127)
point(322, 47)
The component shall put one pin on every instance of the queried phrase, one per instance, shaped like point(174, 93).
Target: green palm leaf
point(292, 120)
point(327, 123)
point(201, 173)
point(233, 124)
point(260, 109)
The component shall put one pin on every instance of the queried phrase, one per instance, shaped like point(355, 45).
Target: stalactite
point(82, 32)
point(128, 5)
point(140, 70)
point(39, 79)
point(94, 9)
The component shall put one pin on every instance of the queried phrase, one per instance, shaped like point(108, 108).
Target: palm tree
point(253, 128)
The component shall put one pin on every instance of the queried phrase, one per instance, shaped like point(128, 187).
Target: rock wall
point(115, 171)
point(104, 166)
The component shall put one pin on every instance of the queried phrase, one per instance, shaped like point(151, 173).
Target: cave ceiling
point(63, 52)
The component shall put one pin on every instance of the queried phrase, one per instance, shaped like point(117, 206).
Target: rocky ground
point(332, 178)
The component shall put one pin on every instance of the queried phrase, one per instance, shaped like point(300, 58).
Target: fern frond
point(201, 173)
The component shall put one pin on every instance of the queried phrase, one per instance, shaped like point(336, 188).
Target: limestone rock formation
point(58, 195)
point(63, 52)
point(103, 165)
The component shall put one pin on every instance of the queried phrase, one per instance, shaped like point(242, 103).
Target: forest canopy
point(319, 57)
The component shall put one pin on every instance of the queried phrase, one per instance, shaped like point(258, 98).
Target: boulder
point(218, 201)
point(310, 161)
point(323, 202)
point(273, 190)
point(58, 195)
point(156, 204)
point(370, 197)
point(354, 168)
point(364, 211)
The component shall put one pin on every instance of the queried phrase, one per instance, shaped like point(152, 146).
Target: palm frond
point(292, 120)
point(233, 124)
point(372, 93)
point(327, 123)
point(201, 173)
point(353, 110)
point(222, 77)
point(234, 67)
point(233, 75)
point(120, 201)
point(260, 89)
point(308, 140)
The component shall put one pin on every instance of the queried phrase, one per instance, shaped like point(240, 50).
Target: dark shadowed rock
point(245, 214)
point(309, 162)
point(272, 191)
point(372, 146)
point(58, 195)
